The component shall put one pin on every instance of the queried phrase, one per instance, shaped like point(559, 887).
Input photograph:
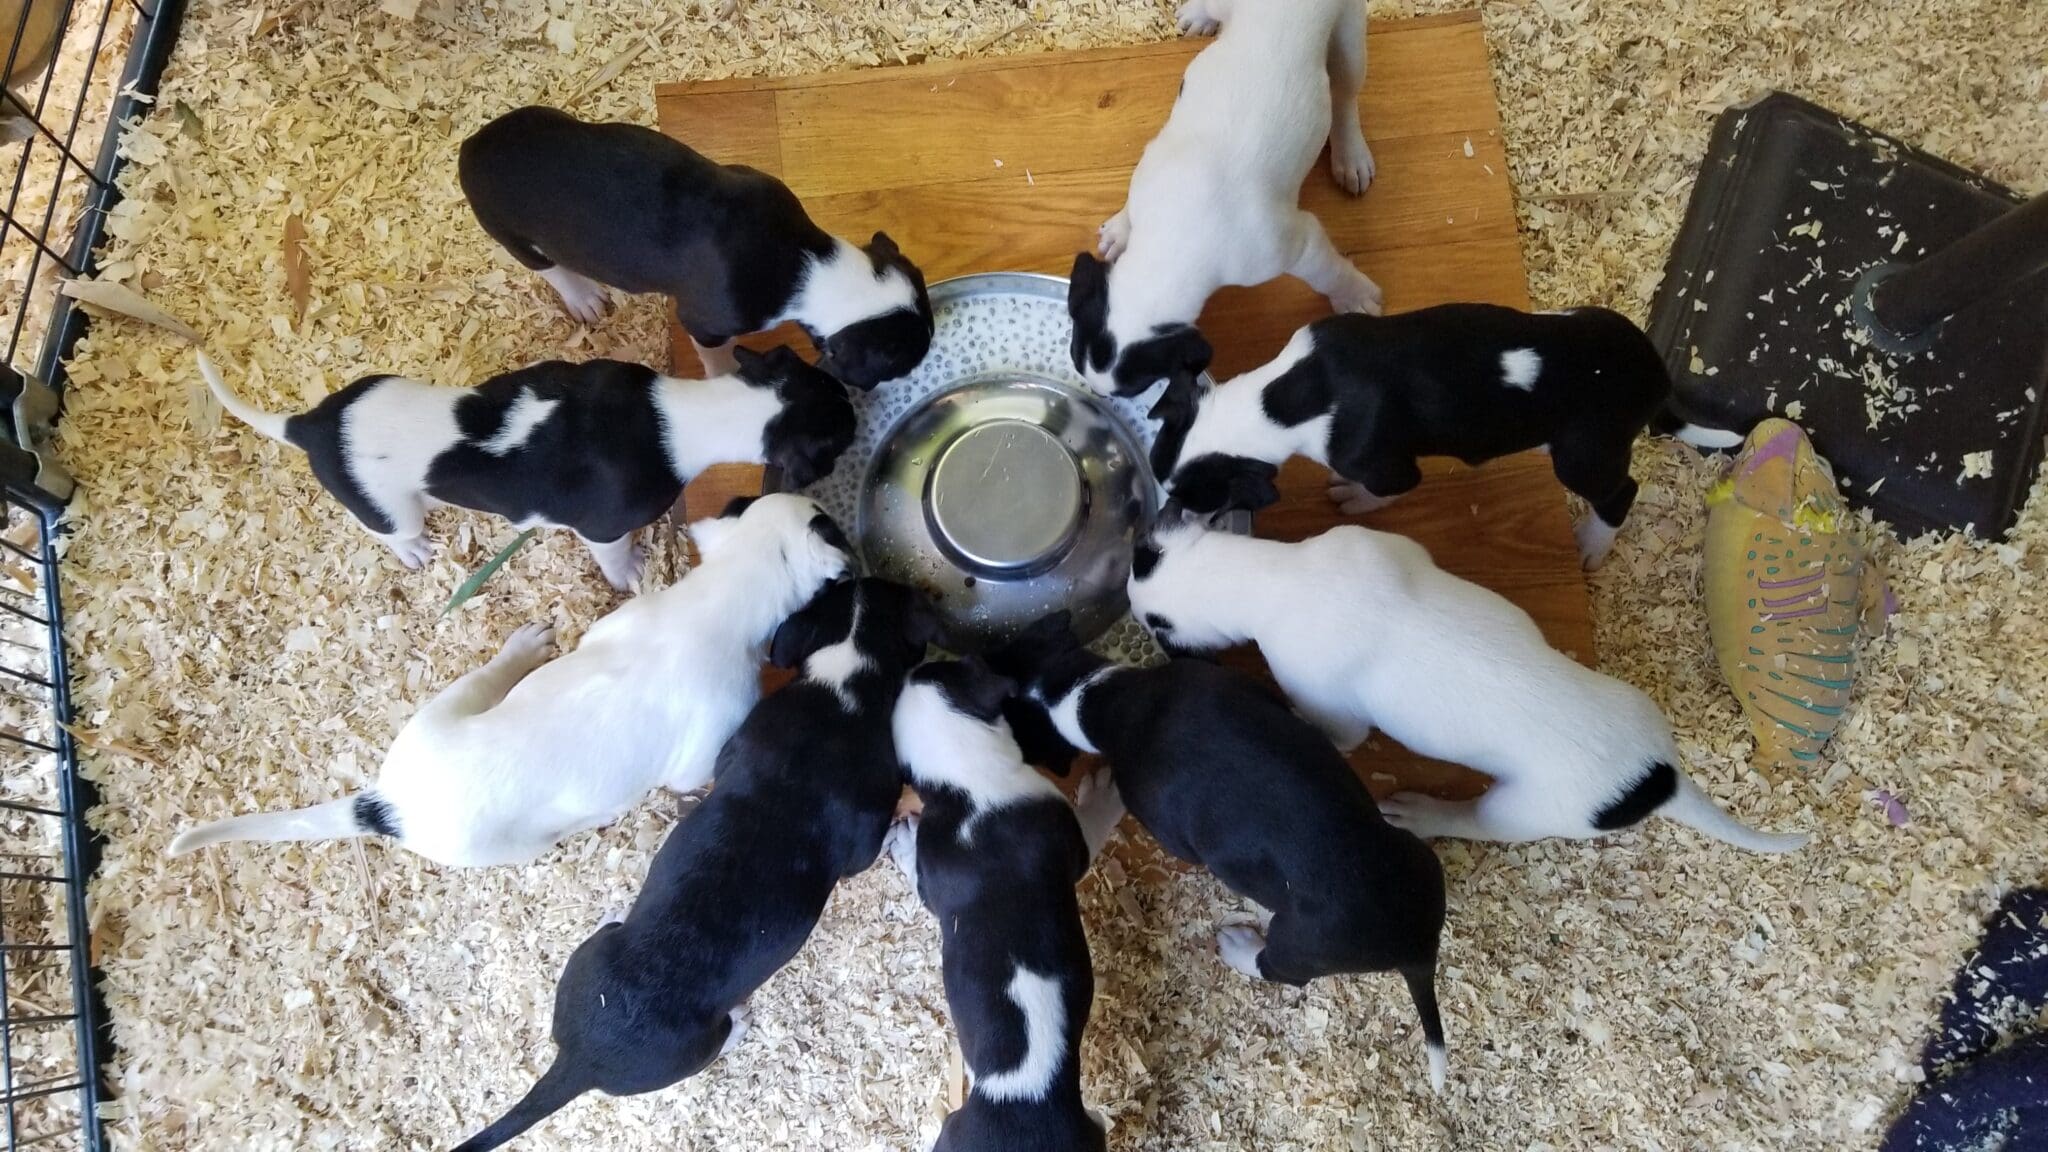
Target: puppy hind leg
point(1351, 160)
point(1318, 263)
point(1600, 477)
point(407, 539)
point(620, 560)
point(1100, 808)
point(1203, 17)
point(482, 689)
point(901, 845)
point(1503, 815)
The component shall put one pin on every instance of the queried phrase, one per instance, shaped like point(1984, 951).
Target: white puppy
point(523, 752)
point(1362, 628)
point(1216, 197)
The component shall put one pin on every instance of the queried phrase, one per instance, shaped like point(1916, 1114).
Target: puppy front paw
point(1596, 539)
point(1195, 19)
point(1351, 162)
point(623, 572)
point(412, 551)
point(1097, 790)
point(1114, 236)
point(1239, 945)
point(529, 643)
point(582, 297)
point(742, 1021)
point(1355, 499)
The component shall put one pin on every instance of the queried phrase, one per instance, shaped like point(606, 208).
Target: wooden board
point(1012, 163)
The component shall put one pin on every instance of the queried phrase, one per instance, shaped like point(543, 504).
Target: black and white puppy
point(802, 798)
point(587, 205)
point(602, 448)
point(1366, 396)
point(1223, 774)
point(1216, 198)
point(995, 856)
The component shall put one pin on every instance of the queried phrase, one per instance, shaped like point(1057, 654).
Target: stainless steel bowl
point(994, 479)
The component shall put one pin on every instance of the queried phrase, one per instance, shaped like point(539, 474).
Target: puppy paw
point(582, 297)
point(1239, 945)
point(1114, 236)
point(742, 1022)
point(1413, 812)
point(1351, 162)
point(1361, 295)
point(616, 914)
point(1097, 789)
point(901, 845)
point(622, 572)
point(529, 643)
point(1354, 499)
point(1596, 540)
point(412, 551)
point(1195, 19)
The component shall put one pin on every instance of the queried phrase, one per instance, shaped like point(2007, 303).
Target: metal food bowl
point(995, 480)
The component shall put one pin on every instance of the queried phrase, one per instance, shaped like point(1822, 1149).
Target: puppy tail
point(1669, 421)
point(1697, 810)
point(271, 424)
point(1422, 986)
point(355, 815)
point(556, 1087)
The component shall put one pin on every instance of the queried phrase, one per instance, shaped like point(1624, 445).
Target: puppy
point(601, 448)
point(1365, 396)
point(1361, 629)
point(1223, 775)
point(803, 797)
point(587, 204)
point(1216, 197)
point(995, 856)
point(523, 752)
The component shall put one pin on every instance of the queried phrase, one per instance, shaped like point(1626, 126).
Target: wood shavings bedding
point(232, 623)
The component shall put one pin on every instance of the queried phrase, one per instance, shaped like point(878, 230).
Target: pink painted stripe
point(1792, 583)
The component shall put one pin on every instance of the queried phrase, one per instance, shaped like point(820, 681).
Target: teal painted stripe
point(1845, 630)
point(1822, 709)
point(1811, 735)
point(1832, 659)
point(1837, 685)
point(1798, 754)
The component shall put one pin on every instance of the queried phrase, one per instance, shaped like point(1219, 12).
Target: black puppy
point(1224, 775)
point(802, 797)
point(1366, 396)
point(589, 204)
point(995, 856)
point(602, 447)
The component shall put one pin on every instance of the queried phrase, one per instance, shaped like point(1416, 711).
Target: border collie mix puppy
point(1360, 629)
point(995, 856)
point(525, 751)
point(1216, 197)
point(602, 448)
point(802, 799)
point(587, 205)
point(1365, 396)
point(1224, 775)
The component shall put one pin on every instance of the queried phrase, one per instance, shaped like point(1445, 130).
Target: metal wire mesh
point(72, 72)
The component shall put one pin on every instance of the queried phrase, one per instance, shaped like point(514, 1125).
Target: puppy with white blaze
point(602, 448)
point(1360, 628)
point(525, 751)
point(1225, 776)
point(803, 796)
point(586, 205)
point(995, 856)
point(1216, 197)
point(1367, 396)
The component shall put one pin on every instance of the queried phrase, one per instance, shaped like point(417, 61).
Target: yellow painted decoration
point(1789, 592)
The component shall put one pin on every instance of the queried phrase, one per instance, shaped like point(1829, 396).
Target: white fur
point(526, 414)
point(1239, 946)
point(1703, 437)
point(1231, 419)
point(519, 754)
point(1596, 539)
point(1044, 1006)
point(1215, 199)
point(1066, 712)
point(1519, 368)
point(940, 747)
point(843, 290)
point(1360, 629)
point(835, 665)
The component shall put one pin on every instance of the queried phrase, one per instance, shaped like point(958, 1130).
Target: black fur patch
point(374, 815)
point(1213, 483)
point(1298, 395)
point(1144, 558)
point(737, 507)
point(970, 687)
point(1088, 306)
point(1174, 352)
point(817, 421)
point(828, 531)
point(317, 433)
point(1657, 786)
point(1158, 624)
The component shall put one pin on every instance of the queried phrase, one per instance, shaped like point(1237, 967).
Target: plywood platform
point(1012, 163)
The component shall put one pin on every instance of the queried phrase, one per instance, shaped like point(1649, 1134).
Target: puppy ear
point(751, 364)
point(985, 690)
point(883, 249)
point(1192, 355)
point(1037, 738)
point(1087, 286)
point(924, 628)
point(802, 633)
point(1252, 485)
point(1175, 410)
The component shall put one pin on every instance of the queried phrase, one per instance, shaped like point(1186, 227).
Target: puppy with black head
point(1224, 775)
point(1367, 396)
point(587, 205)
point(602, 448)
point(995, 855)
point(802, 797)
point(1216, 198)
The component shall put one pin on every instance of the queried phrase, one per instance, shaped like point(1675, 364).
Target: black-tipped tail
point(1422, 987)
point(555, 1088)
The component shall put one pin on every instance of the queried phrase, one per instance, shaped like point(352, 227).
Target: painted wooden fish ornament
point(1790, 591)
